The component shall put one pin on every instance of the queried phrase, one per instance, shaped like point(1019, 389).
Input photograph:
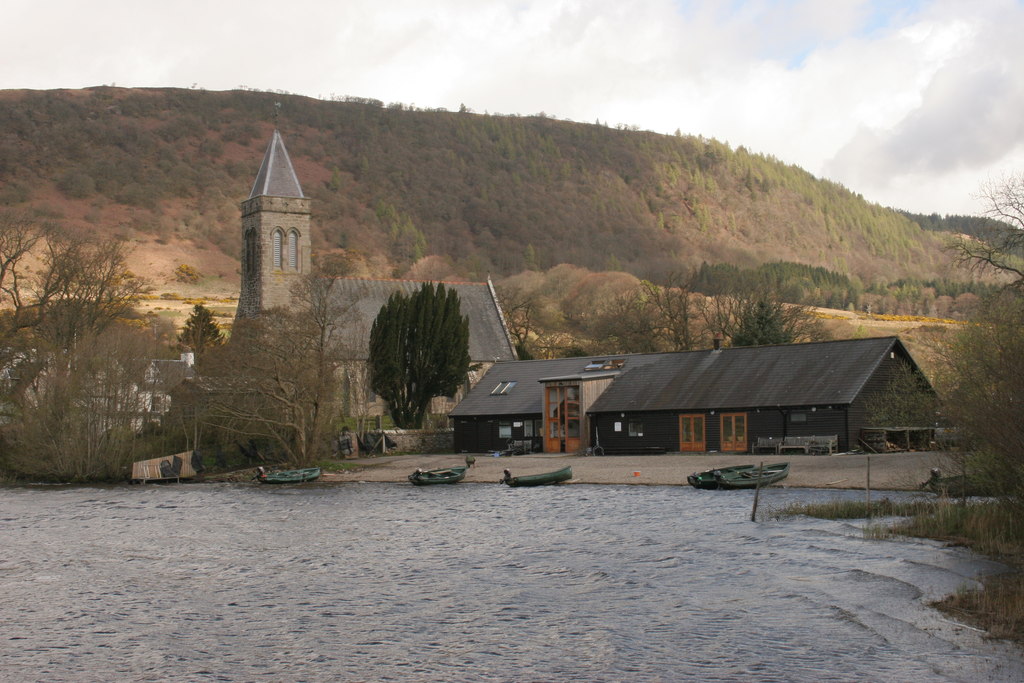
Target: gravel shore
point(889, 471)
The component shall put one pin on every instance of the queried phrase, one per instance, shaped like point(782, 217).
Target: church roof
point(276, 177)
point(488, 338)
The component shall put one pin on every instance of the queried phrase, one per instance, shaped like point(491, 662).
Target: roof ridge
point(408, 279)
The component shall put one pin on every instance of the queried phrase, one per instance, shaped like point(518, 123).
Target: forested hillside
point(480, 194)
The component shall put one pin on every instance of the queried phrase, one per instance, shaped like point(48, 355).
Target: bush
point(186, 273)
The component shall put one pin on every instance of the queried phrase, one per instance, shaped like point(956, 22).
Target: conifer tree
point(201, 331)
point(760, 323)
point(419, 349)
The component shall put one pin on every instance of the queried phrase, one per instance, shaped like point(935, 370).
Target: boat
point(556, 477)
point(177, 467)
point(448, 475)
point(739, 476)
point(288, 476)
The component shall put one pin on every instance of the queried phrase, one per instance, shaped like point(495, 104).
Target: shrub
point(186, 273)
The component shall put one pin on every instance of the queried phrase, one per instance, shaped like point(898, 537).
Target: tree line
point(82, 390)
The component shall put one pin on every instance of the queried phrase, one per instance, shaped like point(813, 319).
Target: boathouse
point(727, 400)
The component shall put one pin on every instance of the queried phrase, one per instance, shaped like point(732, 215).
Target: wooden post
point(757, 492)
point(867, 487)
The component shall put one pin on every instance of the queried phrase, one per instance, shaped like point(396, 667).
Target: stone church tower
point(275, 234)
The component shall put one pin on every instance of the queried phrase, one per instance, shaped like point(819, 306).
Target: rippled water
point(467, 583)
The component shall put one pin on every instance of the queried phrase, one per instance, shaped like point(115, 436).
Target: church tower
point(275, 234)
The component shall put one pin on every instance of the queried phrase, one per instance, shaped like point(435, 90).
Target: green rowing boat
point(739, 476)
point(288, 476)
point(448, 475)
point(555, 477)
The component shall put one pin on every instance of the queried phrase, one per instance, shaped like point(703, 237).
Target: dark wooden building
point(698, 401)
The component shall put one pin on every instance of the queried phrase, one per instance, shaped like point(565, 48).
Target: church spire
point(276, 177)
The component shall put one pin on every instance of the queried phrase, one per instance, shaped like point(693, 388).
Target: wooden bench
point(637, 450)
point(812, 445)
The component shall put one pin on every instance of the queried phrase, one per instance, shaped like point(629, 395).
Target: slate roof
point(276, 177)
point(527, 396)
point(488, 338)
point(819, 373)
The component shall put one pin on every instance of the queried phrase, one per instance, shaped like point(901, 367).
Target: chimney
point(718, 341)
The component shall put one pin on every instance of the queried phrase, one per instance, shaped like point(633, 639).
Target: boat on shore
point(556, 477)
point(177, 467)
point(288, 476)
point(448, 475)
point(739, 476)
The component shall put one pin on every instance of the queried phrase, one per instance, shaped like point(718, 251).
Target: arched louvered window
point(251, 263)
point(277, 250)
point(293, 250)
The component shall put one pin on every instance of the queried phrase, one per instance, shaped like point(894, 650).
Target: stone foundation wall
point(422, 440)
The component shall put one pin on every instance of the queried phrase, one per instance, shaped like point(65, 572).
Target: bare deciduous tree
point(79, 416)
point(1000, 248)
point(279, 376)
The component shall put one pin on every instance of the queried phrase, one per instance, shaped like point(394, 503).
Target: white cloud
point(895, 100)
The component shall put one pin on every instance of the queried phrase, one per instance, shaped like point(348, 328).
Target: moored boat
point(448, 475)
point(739, 476)
point(556, 477)
point(288, 476)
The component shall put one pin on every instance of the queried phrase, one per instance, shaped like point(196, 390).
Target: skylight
point(503, 388)
point(613, 364)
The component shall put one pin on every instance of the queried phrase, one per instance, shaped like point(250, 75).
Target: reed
point(855, 509)
point(994, 528)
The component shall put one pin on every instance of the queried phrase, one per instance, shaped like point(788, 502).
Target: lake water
point(389, 582)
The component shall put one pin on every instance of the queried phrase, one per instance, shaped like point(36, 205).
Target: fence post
point(867, 487)
point(757, 492)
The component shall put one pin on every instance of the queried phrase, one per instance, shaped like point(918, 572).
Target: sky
point(913, 104)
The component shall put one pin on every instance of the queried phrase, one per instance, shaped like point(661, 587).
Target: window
point(636, 428)
point(614, 364)
point(797, 417)
point(277, 250)
point(293, 250)
point(503, 388)
point(505, 429)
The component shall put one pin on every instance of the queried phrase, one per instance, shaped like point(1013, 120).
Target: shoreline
point(888, 471)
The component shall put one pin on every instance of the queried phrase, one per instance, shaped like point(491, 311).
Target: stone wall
point(422, 440)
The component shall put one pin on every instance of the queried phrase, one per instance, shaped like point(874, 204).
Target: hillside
point(480, 194)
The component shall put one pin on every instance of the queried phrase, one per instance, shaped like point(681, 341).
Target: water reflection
point(467, 583)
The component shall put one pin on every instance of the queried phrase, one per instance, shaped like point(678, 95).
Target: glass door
point(734, 432)
point(691, 433)
point(562, 419)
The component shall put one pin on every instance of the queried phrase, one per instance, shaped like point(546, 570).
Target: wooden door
point(734, 432)
point(691, 433)
point(562, 419)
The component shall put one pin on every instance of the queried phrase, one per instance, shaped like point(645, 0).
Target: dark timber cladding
point(714, 400)
point(509, 402)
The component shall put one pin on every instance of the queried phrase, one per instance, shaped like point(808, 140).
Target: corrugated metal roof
point(820, 373)
point(488, 341)
point(276, 177)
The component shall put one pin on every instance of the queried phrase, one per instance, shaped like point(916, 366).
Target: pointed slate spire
point(276, 177)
